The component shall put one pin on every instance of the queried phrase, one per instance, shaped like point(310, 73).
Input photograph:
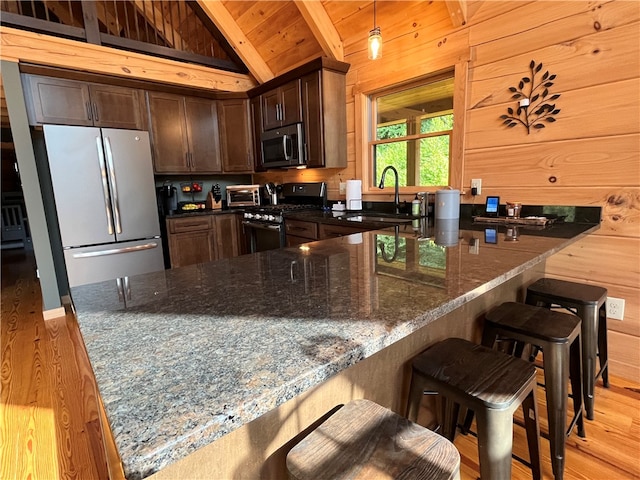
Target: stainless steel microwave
point(283, 147)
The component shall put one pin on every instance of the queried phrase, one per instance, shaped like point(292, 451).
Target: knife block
point(211, 202)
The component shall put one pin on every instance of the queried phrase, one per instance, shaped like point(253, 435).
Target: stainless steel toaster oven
point(243, 195)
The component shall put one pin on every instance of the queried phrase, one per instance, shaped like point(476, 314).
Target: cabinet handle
point(191, 162)
point(95, 112)
point(88, 105)
point(278, 112)
point(186, 157)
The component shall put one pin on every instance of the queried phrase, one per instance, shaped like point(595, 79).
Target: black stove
point(264, 224)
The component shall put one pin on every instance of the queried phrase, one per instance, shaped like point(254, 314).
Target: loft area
point(175, 29)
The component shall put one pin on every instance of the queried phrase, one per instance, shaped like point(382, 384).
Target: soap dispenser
point(415, 206)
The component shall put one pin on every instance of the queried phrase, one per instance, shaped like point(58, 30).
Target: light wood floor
point(49, 418)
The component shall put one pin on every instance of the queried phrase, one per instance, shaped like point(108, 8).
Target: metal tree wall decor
point(534, 108)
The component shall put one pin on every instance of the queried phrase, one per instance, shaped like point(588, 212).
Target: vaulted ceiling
point(272, 37)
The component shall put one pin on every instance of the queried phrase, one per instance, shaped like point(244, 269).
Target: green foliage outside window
point(434, 151)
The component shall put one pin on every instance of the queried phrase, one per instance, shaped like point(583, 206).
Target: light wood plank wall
point(593, 150)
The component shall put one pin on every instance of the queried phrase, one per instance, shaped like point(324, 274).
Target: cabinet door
point(57, 101)
point(190, 248)
point(325, 119)
point(256, 117)
point(270, 109)
point(235, 136)
point(227, 234)
point(168, 133)
point(312, 108)
point(117, 107)
point(281, 106)
point(299, 228)
point(202, 132)
point(291, 109)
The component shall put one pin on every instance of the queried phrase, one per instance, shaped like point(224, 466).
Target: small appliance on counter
point(167, 197)
point(243, 195)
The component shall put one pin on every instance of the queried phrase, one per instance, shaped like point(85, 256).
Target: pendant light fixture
point(375, 39)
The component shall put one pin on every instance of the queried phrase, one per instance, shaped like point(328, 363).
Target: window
point(412, 131)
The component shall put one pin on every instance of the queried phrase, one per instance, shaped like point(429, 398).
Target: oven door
point(262, 236)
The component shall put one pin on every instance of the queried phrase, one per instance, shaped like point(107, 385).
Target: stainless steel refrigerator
point(105, 201)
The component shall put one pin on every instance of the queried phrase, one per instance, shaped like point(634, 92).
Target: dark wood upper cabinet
point(236, 139)
point(202, 130)
point(325, 119)
point(256, 113)
point(69, 102)
point(316, 94)
point(168, 131)
point(184, 134)
point(281, 106)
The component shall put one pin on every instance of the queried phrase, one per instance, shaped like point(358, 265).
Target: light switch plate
point(343, 188)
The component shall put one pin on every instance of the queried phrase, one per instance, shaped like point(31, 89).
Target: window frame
point(365, 118)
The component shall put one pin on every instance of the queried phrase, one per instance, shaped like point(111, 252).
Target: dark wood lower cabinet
point(191, 240)
point(228, 235)
point(204, 238)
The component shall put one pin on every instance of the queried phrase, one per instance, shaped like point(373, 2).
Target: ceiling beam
point(457, 12)
point(20, 45)
point(322, 27)
point(221, 17)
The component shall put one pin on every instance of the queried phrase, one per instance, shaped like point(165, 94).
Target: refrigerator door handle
point(127, 288)
point(105, 186)
point(120, 290)
point(114, 188)
point(114, 251)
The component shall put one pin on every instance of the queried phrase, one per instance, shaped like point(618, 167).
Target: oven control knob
point(248, 215)
point(271, 218)
point(257, 216)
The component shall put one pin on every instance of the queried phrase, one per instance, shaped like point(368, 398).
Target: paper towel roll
point(448, 204)
point(354, 194)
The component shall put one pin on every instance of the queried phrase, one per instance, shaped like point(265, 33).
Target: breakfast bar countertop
point(191, 354)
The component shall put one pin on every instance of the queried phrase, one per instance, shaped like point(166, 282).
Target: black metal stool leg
point(530, 411)
point(603, 352)
point(589, 334)
point(556, 371)
point(576, 387)
point(495, 440)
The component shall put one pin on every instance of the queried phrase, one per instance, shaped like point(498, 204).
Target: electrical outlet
point(343, 188)
point(615, 308)
point(477, 184)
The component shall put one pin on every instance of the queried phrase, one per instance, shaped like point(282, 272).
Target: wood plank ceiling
point(272, 37)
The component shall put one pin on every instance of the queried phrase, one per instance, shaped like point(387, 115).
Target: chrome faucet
point(396, 198)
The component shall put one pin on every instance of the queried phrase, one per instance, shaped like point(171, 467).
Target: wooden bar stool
point(559, 340)
point(588, 302)
point(488, 382)
point(363, 440)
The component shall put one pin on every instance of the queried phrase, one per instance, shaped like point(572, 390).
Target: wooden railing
point(174, 29)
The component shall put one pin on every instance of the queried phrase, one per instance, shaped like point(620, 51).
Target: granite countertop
point(197, 352)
